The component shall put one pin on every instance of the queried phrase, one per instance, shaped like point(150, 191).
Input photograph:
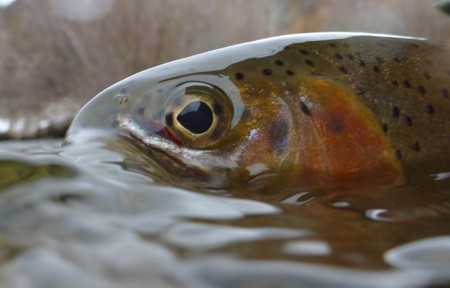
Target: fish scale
point(308, 111)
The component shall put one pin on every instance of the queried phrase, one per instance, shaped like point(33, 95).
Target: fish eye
point(197, 117)
point(198, 114)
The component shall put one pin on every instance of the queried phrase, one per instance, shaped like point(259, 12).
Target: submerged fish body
point(303, 111)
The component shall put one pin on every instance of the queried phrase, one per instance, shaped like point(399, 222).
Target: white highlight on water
point(308, 247)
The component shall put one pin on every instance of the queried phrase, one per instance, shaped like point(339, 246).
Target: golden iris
point(198, 114)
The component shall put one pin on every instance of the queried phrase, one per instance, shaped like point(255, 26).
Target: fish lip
point(172, 158)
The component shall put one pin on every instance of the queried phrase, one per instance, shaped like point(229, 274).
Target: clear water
point(91, 215)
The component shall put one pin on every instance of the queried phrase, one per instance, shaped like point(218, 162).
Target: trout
point(301, 111)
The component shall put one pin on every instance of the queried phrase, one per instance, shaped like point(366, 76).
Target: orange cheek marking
point(351, 139)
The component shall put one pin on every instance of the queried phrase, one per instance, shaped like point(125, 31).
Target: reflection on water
point(429, 253)
point(90, 216)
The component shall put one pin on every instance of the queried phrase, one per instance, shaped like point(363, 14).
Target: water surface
point(92, 215)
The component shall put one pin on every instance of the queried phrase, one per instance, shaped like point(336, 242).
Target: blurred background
point(57, 54)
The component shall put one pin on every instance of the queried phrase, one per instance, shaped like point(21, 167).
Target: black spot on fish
point(379, 59)
point(309, 62)
point(169, 119)
point(408, 121)
point(140, 110)
point(303, 51)
point(445, 92)
point(289, 72)
point(427, 75)
point(395, 112)
point(278, 132)
point(396, 59)
point(362, 63)
point(315, 73)
point(406, 84)
point(279, 62)
point(286, 47)
point(239, 76)
point(350, 57)
point(385, 128)
point(395, 83)
point(338, 56)
point(415, 45)
point(360, 91)
point(416, 147)
point(398, 154)
point(421, 89)
point(335, 124)
point(305, 108)
point(332, 45)
point(429, 109)
point(376, 69)
point(267, 72)
point(343, 70)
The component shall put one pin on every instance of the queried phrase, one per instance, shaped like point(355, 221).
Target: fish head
point(202, 129)
point(209, 133)
point(239, 119)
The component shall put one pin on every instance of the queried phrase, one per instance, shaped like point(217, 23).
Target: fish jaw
point(202, 169)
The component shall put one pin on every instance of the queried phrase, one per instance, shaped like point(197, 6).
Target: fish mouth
point(185, 166)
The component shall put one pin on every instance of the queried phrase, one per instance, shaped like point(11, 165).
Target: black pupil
point(196, 117)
